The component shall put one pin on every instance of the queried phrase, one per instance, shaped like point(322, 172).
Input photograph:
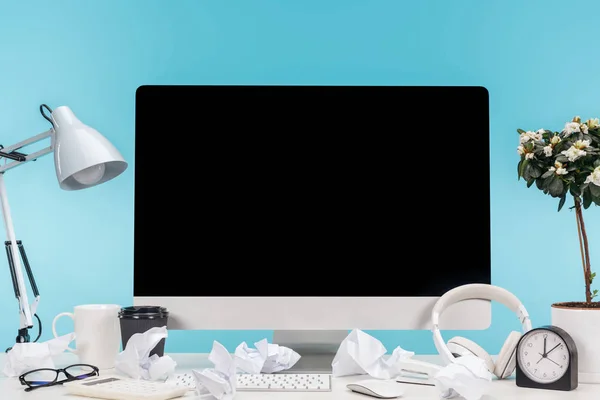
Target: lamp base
point(22, 337)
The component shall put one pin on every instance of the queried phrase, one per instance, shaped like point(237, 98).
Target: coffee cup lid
point(143, 312)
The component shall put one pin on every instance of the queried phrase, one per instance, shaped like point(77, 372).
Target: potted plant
point(566, 165)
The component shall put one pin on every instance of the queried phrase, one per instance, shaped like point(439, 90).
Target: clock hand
point(549, 359)
point(540, 358)
point(552, 349)
point(545, 346)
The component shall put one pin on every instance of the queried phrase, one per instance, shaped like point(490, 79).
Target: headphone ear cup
point(507, 358)
point(460, 346)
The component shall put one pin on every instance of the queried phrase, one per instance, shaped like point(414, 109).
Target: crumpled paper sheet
point(266, 358)
point(135, 361)
point(220, 381)
point(25, 357)
point(468, 377)
point(360, 353)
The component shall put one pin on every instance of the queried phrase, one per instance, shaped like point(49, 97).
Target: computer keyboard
point(284, 382)
point(271, 382)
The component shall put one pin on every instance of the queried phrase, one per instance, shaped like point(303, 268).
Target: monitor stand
point(316, 348)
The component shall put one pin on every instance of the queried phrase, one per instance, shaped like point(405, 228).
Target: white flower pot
point(583, 325)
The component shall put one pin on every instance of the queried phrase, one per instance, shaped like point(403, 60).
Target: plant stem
point(583, 264)
point(584, 248)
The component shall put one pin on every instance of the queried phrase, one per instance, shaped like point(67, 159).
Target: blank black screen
point(310, 190)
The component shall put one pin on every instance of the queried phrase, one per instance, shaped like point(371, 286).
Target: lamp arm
point(16, 269)
point(18, 158)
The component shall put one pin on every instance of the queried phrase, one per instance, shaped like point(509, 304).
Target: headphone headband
point(474, 291)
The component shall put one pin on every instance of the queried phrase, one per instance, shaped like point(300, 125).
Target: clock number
point(526, 353)
point(554, 373)
point(564, 357)
point(529, 344)
point(544, 374)
point(545, 335)
point(528, 364)
point(561, 346)
point(561, 367)
point(535, 370)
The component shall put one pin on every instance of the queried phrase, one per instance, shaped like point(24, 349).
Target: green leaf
point(527, 172)
point(535, 171)
point(547, 174)
point(546, 135)
point(559, 147)
point(524, 165)
point(529, 146)
point(561, 203)
point(520, 131)
point(548, 181)
point(556, 187)
point(597, 163)
point(530, 182)
point(587, 198)
point(575, 190)
point(539, 183)
point(592, 276)
point(519, 167)
point(562, 159)
point(594, 190)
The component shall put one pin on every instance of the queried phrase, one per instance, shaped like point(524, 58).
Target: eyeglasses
point(45, 377)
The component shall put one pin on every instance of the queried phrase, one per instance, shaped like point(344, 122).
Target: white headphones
point(459, 346)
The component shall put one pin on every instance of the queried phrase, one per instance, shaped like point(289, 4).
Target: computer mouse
point(379, 388)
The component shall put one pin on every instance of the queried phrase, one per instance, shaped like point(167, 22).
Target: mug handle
point(64, 314)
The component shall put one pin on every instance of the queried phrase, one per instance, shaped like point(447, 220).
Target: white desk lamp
point(83, 158)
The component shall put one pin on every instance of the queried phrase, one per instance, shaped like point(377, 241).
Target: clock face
point(543, 356)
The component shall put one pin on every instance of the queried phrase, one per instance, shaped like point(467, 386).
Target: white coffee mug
point(97, 333)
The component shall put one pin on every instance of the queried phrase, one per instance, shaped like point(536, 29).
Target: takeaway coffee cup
point(138, 319)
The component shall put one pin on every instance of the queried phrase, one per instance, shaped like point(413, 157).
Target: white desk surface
point(11, 389)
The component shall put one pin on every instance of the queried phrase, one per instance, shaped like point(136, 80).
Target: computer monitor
point(311, 210)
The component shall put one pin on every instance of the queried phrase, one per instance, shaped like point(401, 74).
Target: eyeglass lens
point(47, 376)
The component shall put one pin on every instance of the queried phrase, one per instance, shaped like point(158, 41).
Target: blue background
point(539, 60)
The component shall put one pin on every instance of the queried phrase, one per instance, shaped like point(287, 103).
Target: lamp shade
point(82, 156)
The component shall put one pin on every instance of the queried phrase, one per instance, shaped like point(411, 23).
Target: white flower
point(584, 128)
point(540, 132)
point(573, 153)
point(558, 168)
point(555, 140)
point(581, 144)
point(529, 135)
point(594, 177)
point(529, 156)
point(571, 127)
point(521, 150)
point(548, 150)
point(593, 123)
